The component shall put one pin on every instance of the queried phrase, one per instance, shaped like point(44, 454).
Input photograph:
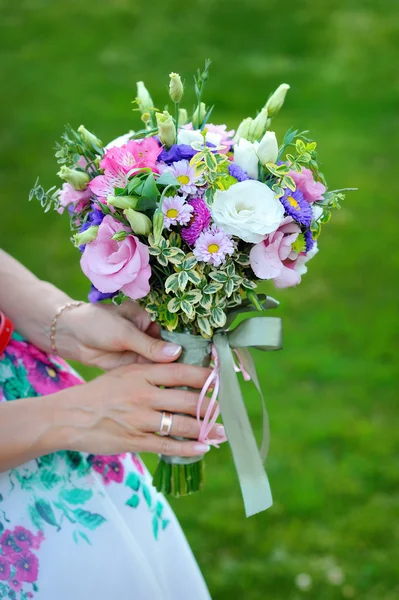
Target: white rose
point(267, 150)
point(300, 264)
point(245, 157)
point(317, 211)
point(248, 210)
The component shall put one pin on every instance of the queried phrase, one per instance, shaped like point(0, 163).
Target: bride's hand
point(108, 336)
point(122, 410)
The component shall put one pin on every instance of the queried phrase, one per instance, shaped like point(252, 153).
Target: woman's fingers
point(178, 374)
point(171, 447)
point(183, 426)
point(179, 401)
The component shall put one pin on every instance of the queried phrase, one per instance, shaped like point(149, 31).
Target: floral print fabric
point(83, 526)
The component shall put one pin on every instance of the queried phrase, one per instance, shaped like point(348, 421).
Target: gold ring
point(166, 424)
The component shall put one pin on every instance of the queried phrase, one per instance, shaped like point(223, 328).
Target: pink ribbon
point(212, 412)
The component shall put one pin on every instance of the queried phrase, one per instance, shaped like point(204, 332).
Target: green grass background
point(331, 392)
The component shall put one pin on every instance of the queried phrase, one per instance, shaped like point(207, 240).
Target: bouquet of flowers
point(187, 218)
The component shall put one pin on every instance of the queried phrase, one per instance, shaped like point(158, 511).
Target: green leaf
point(76, 495)
point(205, 326)
point(167, 178)
point(194, 277)
point(145, 204)
point(249, 285)
point(218, 276)
point(174, 305)
point(188, 308)
point(133, 501)
point(182, 280)
point(242, 259)
point(172, 283)
point(147, 494)
point(133, 481)
point(85, 538)
point(206, 301)
point(218, 317)
point(45, 511)
point(163, 261)
point(212, 288)
point(158, 225)
point(149, 188)
point(289, 183)
point(229, 287)
point(189, 263)
point(193, 296)
point(48, 479)
point(325, 217)
point(230, 269)
point(88, 519)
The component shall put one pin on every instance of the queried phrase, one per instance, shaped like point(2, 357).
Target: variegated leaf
point(205, 326)
point(206, 301)
point(193, 296)
point(162, 260)
point(194, 277)
point(242, 259)
point(248, 285)
point(218, 317)
point(182, 280)
point(230, 269)
point(218, 276)
point(229, 287)
point(174, 305)
point(172, 283)
point(189, 263)
point(212, 288)
point(187, 308)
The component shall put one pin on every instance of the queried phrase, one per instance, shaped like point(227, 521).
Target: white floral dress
point(84, 527)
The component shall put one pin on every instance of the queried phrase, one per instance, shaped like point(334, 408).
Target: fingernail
point(171, 349)
point(220, 432)
point(202, 448)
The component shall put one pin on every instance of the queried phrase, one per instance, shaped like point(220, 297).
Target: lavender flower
point(213, 246)
point(296, 207)
point(176, 211)
point(179, 152)
point(96, 296)
point(309, 240)
point(200, 220)
point(238, 173)
point(185, 175)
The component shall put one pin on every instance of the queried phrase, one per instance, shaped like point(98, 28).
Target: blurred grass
point(331, 392)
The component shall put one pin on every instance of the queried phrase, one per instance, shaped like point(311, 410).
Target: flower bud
point(183, 116)
point(243, 129)
point(175, 88)
point(199, 115)
point(258, 126)
point(85, 237)
point(144, 99)
point(139, 222)
point(166, 128)
point(89, 138)
point(276, 100)
point(267, 150)
point(122, 201)
point(146, 118)
point(119, 236)
point(78, 179)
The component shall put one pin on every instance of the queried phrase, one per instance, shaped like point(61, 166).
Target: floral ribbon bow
point(246, 330)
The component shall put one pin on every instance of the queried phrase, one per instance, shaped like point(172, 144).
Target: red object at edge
point(6, 329)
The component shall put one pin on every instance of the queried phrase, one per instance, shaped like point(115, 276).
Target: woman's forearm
point(29, 428)
point(29, 302)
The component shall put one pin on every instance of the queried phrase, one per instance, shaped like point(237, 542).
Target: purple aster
point(179, 152)
point(238, 173)
point(308, 240)
point(94, 219)
point(185, 175)
point(200, 220)
point(96, 296)
point(213, 245)
point(296, 207)
point(176, 211)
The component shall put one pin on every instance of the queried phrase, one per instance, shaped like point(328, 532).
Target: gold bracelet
point(54, 321)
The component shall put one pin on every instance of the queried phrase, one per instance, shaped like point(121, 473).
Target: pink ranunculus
point(137, 154)
point(312, 190)
point(113, 266)
point(79, 198)
point(273, 258)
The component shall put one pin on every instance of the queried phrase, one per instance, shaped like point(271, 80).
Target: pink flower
point(15, 584)
point(135, 154)
point(213, 246)
point(109, 467)
point(176, 211)
point(218, 135)
point(104, 185)
point(312, 190)
point(4, 568)
point(273, 258)
point(79, 198)
point(200, 220)
point(113, 266)
point(27, 566)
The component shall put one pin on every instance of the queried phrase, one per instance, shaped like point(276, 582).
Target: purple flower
point(185, 175)
point(96, 296)
point(94, 218)
point(238, 173)
point(176, 211)
point(201, 220)
point(27, 567)
point(296, 207)
point(213, 246)
point(4, 568)
point(309, 240)
point(179, 152)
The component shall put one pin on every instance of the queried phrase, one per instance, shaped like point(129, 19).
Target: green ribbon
point(246, 328)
